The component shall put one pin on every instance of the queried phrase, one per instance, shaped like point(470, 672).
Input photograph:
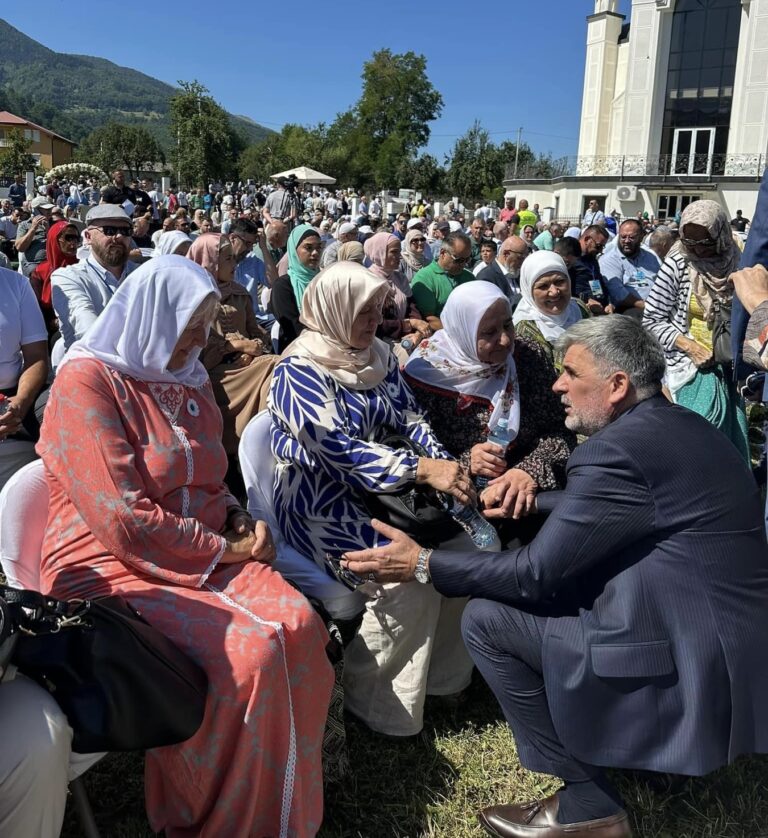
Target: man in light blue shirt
point(80, 292)
point(629, 268)
point(252, 273)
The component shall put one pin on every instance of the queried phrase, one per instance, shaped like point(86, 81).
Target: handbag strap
point(35, 613)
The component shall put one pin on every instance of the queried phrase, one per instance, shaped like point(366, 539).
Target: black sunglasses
point(111, 231)
point(71, 237)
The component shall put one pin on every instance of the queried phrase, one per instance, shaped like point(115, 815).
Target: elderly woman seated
point(474, 374)
point(135, 467)
point(23, 371)
point(336, 391)
point(546, 309)
point(235, 356)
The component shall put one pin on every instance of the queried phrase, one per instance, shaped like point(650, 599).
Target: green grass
point(465, 758)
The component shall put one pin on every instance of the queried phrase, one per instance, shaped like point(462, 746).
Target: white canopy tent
point(306, 175)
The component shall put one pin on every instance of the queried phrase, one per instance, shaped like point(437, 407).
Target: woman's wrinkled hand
point(446, 476)
point(513, 495)
point(420, 326)
point(251, 545)
point(487, 460)
point(700, 355)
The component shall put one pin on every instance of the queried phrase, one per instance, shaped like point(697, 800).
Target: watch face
point(421, 575)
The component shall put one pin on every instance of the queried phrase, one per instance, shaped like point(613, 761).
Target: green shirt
point(432, 285)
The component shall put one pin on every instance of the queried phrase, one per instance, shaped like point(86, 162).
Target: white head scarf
point(448, 360)
point(331, 302)
point(140, 327)
point(550, 325)
point(168, 242)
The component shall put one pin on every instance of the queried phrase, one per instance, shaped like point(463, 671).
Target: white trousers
point(35, 741)
point(409, 646)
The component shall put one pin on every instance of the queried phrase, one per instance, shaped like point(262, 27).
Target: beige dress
point(240, 391)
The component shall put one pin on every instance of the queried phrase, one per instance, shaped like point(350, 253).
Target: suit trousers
point(506, 646)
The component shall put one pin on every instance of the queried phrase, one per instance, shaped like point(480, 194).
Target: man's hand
point(394, 563)
point(513, 495)
point(751, 286)
point(10, 421)
point(487, 460)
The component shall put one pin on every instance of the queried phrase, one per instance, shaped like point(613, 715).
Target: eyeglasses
point(418, 241)
point(71, 237)
point(458, 260)
point(109, 230)
point(246, 242)
point(698, 242)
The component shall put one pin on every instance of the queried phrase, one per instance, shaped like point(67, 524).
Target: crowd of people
point(195, 365)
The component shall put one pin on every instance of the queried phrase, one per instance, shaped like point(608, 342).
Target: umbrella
point(306, 175)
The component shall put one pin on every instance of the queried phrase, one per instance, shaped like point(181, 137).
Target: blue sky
point(519, 64)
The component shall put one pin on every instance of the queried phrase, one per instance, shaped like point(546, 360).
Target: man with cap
point(31, 235)
point(281, 205)
point(347, 232)
point(81, 291)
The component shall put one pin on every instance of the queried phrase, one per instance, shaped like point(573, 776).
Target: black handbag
point(121, 683)
point(722, 350)
point(416, 510)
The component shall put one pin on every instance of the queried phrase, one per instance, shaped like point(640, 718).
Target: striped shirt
point(666, 309)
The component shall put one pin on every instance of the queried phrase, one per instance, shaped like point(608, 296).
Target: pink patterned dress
point(137, 503)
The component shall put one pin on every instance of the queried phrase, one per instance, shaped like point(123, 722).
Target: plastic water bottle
point(498, 436)
point(471, 521)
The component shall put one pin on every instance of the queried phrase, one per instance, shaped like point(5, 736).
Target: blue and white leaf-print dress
point(409, 642)
point(319, 437)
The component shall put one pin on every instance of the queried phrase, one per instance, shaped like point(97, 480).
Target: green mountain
point(73, 94)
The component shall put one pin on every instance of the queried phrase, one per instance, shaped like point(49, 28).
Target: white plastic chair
point(257, 464)
point(23, 518)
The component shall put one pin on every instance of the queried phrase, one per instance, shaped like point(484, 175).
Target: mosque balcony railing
point(626, 167)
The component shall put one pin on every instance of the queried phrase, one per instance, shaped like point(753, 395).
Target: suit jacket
point(653, 572)
point(493, 273)
point(755, 253)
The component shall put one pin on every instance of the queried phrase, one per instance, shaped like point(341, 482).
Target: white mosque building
point(675, 108)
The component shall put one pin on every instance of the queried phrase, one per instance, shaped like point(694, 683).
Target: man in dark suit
point(631, 631)
point(504, 271)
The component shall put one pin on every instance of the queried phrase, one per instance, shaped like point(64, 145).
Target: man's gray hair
point(620, 343)
point(452, 239)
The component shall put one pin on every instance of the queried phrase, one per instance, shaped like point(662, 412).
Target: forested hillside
point(73, 94)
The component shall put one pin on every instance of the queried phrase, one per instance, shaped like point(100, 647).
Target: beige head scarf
point(710, 277)
point(331, 303)
point(351, 252)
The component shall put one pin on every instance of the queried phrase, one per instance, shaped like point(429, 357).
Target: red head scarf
point(54, 258)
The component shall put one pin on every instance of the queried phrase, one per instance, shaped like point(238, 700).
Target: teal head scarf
point(299, 274)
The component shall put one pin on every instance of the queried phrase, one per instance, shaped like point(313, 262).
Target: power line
point(514, 131)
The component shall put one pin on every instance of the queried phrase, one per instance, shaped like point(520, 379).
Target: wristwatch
point(407, 344)
point(421, 572)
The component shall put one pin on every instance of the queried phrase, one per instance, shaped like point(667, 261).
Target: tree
point(207, 147)
point(15, 158)
point(116, 146)
point(476, 167)
point(398, 99)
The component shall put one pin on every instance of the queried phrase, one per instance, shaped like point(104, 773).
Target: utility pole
point(517, 148)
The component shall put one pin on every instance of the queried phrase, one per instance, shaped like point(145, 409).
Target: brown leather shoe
point(538, 819)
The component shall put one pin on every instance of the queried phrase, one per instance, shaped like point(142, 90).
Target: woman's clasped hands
point(247, 540)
